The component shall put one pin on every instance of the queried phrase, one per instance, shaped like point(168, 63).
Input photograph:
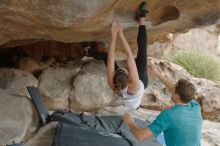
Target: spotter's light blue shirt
point(181, 125)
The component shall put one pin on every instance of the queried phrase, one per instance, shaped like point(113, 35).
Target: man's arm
point(140, 133)
point(111, 55)
point(133, 72)
point(154, 70)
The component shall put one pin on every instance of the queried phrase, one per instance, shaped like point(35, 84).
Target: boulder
point(29, 65)
point(18, 119)
point(208, 94)
point(16, 81)
point(55, 84)
point(210, 133)
point(51, 51)
point(90, 87)
point(68, 21)
point(205, 39)
point(157, 97)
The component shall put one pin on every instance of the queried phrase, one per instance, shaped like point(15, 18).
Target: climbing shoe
point(141, 11)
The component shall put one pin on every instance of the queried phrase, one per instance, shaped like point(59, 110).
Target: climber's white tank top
point(133, 101)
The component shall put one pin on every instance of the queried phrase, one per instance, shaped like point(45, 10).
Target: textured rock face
point(210, 134)
point(16, 81)
point(91, 90)
point(206, 39)
point(60, 51)
point(76, 20)
point(209, 97)
point(157, 96)
point(86, 88)
point(55, 85)
point(18, 118)
point(29, 65)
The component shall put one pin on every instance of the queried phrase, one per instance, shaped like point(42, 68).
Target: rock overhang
point(76, 21)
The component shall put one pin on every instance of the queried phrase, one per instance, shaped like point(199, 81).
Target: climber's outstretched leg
point(141, 60)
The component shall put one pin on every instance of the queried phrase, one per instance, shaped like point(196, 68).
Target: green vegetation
point(197, 63)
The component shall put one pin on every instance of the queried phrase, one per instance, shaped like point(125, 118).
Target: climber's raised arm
point(154, 70)
point(132, 68)
point(111, 55)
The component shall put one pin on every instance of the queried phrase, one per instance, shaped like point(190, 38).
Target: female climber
point(129, 84)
